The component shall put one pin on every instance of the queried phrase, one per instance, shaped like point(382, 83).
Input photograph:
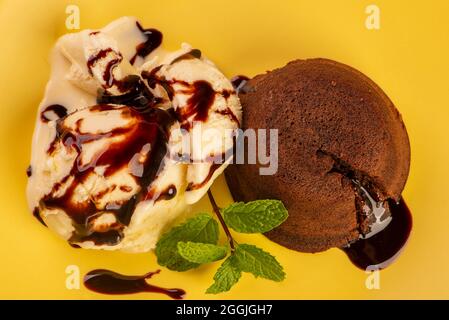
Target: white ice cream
point(74, 85)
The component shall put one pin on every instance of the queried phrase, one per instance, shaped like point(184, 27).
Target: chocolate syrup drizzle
point(192, 54)
point(136, 94)
point(57, 110)
point(166, 194)
point(107, 74)
point(202, 96)
point(109, 282)
point(150, 130)
point(154, 40)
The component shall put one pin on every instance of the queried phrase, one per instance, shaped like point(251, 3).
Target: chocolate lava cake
point(341, 143)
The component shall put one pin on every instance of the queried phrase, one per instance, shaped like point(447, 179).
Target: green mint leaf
point(201, 228)
point(254, 260)
point(201, 252)
point(255, 216)
point(226, 276)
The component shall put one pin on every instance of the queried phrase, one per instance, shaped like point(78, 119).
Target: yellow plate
point(407, 57)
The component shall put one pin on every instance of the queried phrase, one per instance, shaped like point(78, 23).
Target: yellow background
point(408, 57)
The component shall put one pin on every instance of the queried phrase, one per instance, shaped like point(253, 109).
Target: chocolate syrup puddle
point(53, 112)
point(154, 40)
point(381, 249)
point(109, 282)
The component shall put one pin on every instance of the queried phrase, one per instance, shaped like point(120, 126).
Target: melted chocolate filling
point(384, 224)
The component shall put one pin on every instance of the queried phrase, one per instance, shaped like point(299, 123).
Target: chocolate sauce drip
point(151, 130)
point(239, 83)
point(166, 194)
point(192, 54)
point(29, 171)
point(195, 186)
point(109, 282)
point(57, 110)
point(216, 162)
point(154, 40)
point(381, 249)
point(136, 94)
point(38, 216)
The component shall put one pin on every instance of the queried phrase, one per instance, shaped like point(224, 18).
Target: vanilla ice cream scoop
point(127, 137)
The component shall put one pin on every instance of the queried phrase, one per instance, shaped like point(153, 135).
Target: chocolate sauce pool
point(380, 250)
point(110, 282)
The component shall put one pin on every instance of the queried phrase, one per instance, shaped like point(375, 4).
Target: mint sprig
point(260, 263)
point(226, 276)
point(202, 229)
point(194, 242)
point(256, 216)
point(201, 252)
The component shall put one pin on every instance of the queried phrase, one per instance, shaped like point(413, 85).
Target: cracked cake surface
point(340, 137)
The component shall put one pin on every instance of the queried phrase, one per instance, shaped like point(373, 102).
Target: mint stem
point(222, 222)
